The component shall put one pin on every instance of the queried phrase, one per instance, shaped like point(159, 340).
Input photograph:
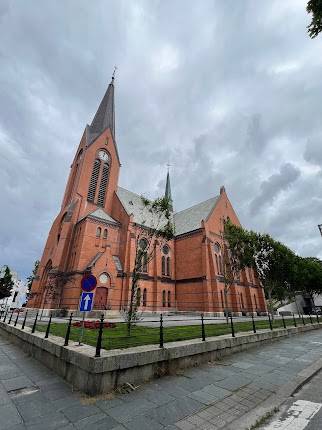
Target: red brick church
point(95, 232)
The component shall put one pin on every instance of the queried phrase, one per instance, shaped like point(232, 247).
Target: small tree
point(155, 229)
point(6, 283)
point(32, 277)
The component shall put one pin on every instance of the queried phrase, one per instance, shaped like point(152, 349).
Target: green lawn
point(117, 337)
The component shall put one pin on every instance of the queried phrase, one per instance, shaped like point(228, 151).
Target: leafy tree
point(6, 283)
point(155, 230)
point(315, 27)
point(32, 277)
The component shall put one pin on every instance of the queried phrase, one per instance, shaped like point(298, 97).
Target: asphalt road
point(303, 410)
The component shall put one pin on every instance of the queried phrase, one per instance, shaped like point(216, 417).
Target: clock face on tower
point(102, 155)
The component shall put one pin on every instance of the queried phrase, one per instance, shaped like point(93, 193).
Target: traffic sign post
point(85, 305)
point(86, 302)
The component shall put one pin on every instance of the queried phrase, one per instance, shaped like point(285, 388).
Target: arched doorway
point(100, 300)
point(101, 293)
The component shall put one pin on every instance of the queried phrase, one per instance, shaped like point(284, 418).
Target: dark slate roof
point(105, 115)
point(190, 219)
point(185, 221)
point(100, 215)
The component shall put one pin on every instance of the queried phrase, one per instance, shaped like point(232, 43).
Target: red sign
point(88, 283)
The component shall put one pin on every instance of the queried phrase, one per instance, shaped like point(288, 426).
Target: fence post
point(203, 334)
point(253, 321)
point(10, 318)
point(99, 338)
point(5, 315)
point(317, 318)
point(311, 318)
point(294, 320)
point(303, 320)
point(48, 327)
point(232, 326)
point(17, 318)
point(161, 331)
point(35, 322)
point(24, 320)
point(270, 322)
point(284, 325)
point(68, 330)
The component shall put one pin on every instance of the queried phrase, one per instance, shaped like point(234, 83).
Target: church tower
point(74, 240)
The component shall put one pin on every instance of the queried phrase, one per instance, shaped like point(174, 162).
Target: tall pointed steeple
point(105, 115)
point(167, 193)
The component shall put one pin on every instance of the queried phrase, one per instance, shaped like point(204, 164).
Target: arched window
point(143, 255)
point(105, 233)
point(163, 265)
point(144, 297)
point(93, 181)
point(98, 232)
point(61, 226)
point(217, 250)
point(255, 301)
point(169, 299)
point(164, 299)
point(138, 297)
point(242, 300)
point(168, 266)
point(221, 269)
point(217, 266)
point(222, 299)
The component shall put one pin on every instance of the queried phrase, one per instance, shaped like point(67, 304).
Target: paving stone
point(131, 410)
point(97, 422)
point(78, 412)
point(175, 411)
point(234, 382)
point(106, 405)
point(9, 416)
point(143, 423)
point(55, 421)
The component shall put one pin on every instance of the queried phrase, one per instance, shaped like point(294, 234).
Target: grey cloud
point(313, 150)
point(273, 186)
point(223, 90)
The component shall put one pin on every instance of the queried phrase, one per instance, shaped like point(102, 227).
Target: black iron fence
point(157, 329)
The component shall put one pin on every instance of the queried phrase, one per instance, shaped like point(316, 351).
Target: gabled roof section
point(100, 215)
point(133, 205)
point(190, 219)
point(184, 221)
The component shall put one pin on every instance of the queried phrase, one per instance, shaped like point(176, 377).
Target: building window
point(105, 233)
point(98, 232)
point(242, 300)
point(144, 297)
point(169, 299)
point(255, 301)
point(168, 266)
point(163, 265)
point(138, 297)
point(164, 299)
point(143, 255)
point(93, 181)
point(217, 250)
point(222, 299)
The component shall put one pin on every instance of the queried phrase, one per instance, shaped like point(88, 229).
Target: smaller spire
point(105, 115)
point(167, 193)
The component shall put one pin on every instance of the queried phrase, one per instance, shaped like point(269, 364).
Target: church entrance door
point(100, 298)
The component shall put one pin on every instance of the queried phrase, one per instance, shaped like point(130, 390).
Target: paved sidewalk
point(205, 398)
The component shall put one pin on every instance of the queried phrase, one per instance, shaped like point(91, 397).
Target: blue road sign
point(86, 302)
point(88, 283)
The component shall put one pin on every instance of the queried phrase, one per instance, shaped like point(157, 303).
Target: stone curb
point(276, 400)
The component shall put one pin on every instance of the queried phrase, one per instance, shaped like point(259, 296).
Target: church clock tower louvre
point(96, 231)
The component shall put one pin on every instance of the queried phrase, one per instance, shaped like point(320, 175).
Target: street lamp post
point(320, 228)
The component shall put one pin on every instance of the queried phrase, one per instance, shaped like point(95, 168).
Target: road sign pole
point(82, 330)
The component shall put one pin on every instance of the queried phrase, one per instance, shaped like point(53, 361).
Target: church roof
point(105, 115)
point(190, 219)
point(100, 215)
point(184, 221)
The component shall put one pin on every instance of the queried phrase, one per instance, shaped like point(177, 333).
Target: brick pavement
point(205, 398)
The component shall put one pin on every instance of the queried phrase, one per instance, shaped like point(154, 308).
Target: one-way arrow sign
point(86, 302)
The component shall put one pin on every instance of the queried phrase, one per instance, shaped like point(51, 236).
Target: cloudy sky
point(228, 91)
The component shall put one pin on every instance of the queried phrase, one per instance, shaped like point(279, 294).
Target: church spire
point(105, 115)
point(167, 193)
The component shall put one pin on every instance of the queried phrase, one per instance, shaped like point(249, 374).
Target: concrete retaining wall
point(79, 367)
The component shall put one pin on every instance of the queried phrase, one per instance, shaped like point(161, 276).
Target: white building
point(18, 292)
